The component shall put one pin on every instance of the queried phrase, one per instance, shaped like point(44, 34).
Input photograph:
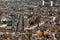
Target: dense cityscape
point(29, 19)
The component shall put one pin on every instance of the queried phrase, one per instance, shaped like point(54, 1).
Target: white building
point(43, 2)
point(51, 3)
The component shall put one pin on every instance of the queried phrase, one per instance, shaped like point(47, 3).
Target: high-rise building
point(47, 2)
point(43, 2)
point(20, 23)
point(51, 3)
point(26, 21)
